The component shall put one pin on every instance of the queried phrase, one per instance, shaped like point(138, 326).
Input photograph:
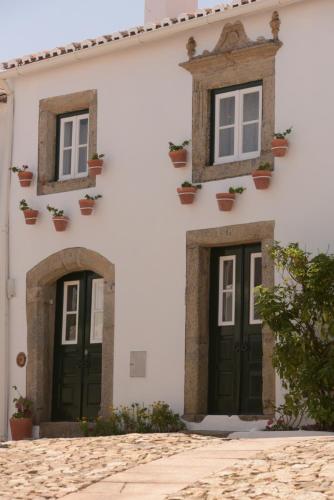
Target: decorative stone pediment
point(233, 37)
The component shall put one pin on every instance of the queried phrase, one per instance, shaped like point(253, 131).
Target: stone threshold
point(60, 430)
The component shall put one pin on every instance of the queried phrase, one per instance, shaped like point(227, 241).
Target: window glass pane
point(83, 132)
point(227, 111)
point(67, 159)
point(257, 271)
point(71, 327)
point(227, 306)
point(82, 167)
point(250, 141)
point(68, 132)
point(228, 275)
point(251, 106)
point(72, 297)
point(226, 142)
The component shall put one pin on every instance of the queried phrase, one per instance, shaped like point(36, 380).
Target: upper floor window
point(237, 114)
point(72, 145)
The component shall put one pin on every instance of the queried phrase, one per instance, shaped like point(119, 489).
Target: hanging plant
point(178, 153)
point(29, 213)
point(187, 192)
point(226, 200)
point(24, 175)
point(280, 144)
point(95, 164)
point(87, 204)
point(59, 220)
point(262, 175)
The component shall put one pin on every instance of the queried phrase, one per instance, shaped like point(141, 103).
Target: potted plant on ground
point(280, 144)
point(25, 177)
point(178, 153)
point(87, 204)
point(262, 175)
point(21, 421)
point(187, 192)
point(30, 214)
point(226, 200)
point(59, 220)
point(95, 164)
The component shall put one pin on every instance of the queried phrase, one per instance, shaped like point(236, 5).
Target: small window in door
point(255, 281)
point(96, 326)
point(72, 144)
point(70, 313)
point(226, 306)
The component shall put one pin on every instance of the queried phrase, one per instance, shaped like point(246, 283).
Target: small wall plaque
point(21, 359)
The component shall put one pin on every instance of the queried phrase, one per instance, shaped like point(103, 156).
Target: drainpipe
point(4, 258)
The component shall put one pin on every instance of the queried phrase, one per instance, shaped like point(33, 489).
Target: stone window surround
point(199, 244)
point(40, 306)
point(236, 60)
point(49, 109)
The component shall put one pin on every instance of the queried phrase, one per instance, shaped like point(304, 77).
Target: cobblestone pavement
point(53, 468)
point(300, 471)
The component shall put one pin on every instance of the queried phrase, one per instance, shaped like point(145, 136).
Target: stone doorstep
point(59, 430)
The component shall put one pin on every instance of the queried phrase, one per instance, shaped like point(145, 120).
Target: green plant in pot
point(262, 175)
point(21, 420)
point(226, 200)
point(87, 204)
point(95, 164)
point(60, 221)
point(24, 175)
point(187, 192)
point(178, 153)
point(280, 144)
point(29, 213)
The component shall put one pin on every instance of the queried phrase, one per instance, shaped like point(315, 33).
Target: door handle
point(244, 348)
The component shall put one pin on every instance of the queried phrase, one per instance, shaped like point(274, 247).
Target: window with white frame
point(226, 304)
point(72, 145)
point(96, 323)
point(70, 313)
point(237, 124)
point(255, 281)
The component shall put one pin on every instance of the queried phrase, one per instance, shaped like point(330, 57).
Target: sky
point(29, 26)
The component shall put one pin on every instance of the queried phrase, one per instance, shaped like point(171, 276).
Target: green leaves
point(237, 190)
point(177, 147)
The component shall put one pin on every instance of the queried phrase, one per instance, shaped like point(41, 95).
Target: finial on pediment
point(191, 47)
point(232, 37)
point(275, 24)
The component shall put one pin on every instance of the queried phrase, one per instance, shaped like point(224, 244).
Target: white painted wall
point(156, 10)
point(144, 100)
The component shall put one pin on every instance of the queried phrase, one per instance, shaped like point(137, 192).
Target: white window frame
point(238, 125)
point(94, 310)
point(67, 284)
point(221, 290)
point(75, 120)
point(252, 320)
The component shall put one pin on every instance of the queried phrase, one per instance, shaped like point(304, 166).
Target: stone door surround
point(40, 305)
point(199, 244)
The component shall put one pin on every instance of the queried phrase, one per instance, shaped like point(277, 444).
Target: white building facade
point(148, 299)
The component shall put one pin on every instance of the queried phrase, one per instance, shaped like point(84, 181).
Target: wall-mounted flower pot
point(86, 206)
point(95, 167)
point(225, 201)
point(30, 216)
point(60, 222)
point(262, 178)
point(179, 158)
point(25, 178)
point(187, 194)
point(21, 428)
point(279, 147)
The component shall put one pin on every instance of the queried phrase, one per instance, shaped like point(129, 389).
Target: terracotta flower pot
point(60, 222)
point(225, 201)
point(186, 194)
point(179, 158)
point(86, 206)
point(25, 178)
point(95, 167)
point(21, 428)
point(261, 178)
point(279, 147)
point(30, 216)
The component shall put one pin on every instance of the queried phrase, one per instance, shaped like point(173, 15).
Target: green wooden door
point(78, 347)
point(235, 353)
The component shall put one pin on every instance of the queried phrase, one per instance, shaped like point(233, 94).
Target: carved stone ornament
point(191, 47)
point(21, 359)
point(233, 37)
point(275, 25)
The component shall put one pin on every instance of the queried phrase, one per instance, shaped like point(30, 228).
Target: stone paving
point(299, 471)
point(46, 469)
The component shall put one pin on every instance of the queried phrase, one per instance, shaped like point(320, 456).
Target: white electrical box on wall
point(138, 364)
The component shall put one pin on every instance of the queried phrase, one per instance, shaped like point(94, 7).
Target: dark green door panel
point(235, 350)
point(78, 366)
